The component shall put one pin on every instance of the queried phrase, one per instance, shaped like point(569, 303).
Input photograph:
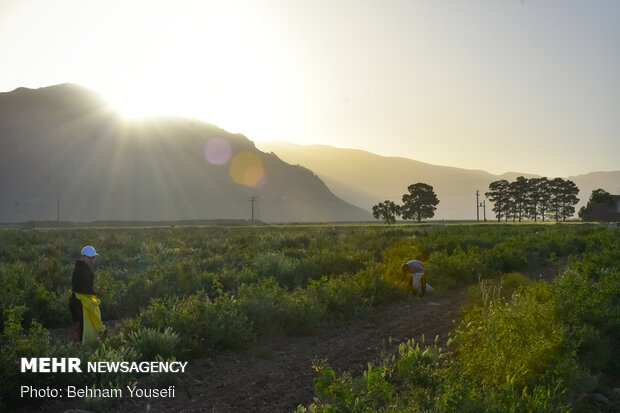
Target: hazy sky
point(527, 86)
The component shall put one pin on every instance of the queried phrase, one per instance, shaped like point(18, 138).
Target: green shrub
point(507, 257)
point(278, 266)
point(17, 343)
point(262, 302)
point(461, 267)
point(512, 281)
point(203, 324)
point(301, 314)
point(523, 339)
point(151, 343)
point(407, 381)
point(114, 379)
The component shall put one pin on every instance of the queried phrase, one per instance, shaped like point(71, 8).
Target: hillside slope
point(364, 179)
point(63, 152)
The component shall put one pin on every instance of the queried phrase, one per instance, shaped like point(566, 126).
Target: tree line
point(533, 198)
point(419, 202)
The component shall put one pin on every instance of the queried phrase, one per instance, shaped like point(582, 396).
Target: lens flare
point(247, 169)
point(217, 151)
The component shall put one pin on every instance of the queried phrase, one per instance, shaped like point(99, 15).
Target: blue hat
point(89, 251)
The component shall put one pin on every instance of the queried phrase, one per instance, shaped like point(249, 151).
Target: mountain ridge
point(387, 177)
point(65, 154)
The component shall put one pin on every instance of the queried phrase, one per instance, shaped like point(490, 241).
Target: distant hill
point(364, 179)
point(63, 150)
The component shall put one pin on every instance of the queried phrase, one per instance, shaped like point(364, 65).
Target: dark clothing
point(81, 282)
point(83, 278)
point(75, 306)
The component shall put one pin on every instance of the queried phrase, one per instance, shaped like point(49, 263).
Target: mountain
point(364, 179)
point(65, 152)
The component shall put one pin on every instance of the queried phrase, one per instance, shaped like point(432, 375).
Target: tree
point(532, 199)
point(563, 198)
point(598, 198)
point(554, 199)
point(387, 211)
point(544, 199)
point(568, 199)
point(498, 194)
point(421, 202)
point(518, 190)
point(537, 198)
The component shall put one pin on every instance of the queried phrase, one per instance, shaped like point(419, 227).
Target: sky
point(520, 86)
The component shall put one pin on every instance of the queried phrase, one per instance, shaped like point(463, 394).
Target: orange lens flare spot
point(247, 169)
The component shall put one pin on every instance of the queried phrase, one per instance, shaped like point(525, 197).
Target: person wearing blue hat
point(82, 284)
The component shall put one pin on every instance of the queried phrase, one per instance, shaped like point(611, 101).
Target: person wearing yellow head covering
point(84, 304)
point(418, 272)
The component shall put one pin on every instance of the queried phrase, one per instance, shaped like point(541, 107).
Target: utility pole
point(484, 205)
point(58, 218)
point(252, 200)
point(477, 208)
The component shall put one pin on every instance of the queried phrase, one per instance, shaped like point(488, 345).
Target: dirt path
point(275, 374)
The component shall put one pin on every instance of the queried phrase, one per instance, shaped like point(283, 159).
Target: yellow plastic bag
point(92, 326)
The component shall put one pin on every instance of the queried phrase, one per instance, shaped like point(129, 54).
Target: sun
point(218, 63)
point(134, 104)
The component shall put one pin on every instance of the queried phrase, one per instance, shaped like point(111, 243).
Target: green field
point(190, 292)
